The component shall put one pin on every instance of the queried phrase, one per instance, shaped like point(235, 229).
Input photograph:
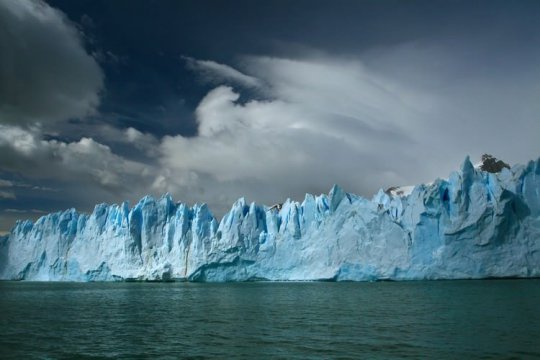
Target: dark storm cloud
point(48, 78)
point(45, 74)
point(6, 189)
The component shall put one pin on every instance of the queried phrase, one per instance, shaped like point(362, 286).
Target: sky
point(106, 101)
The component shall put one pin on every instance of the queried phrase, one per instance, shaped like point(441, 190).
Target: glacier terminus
point(475, 224)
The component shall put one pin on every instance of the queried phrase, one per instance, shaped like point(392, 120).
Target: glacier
point(472, 225)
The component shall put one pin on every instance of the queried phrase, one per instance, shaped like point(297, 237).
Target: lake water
point(440, 319)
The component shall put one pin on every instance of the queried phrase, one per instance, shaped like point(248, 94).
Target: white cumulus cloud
point(389, 120)
point(25, 151)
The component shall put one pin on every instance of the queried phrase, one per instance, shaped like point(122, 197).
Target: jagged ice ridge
point(473, 225)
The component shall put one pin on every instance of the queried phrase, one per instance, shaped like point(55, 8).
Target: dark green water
point(444, 319)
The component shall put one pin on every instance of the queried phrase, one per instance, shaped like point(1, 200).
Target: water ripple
point(459, 319)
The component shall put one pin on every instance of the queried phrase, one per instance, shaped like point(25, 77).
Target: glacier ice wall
point(473, 225)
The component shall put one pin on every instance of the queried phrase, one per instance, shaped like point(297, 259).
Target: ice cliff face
point(473, 225)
